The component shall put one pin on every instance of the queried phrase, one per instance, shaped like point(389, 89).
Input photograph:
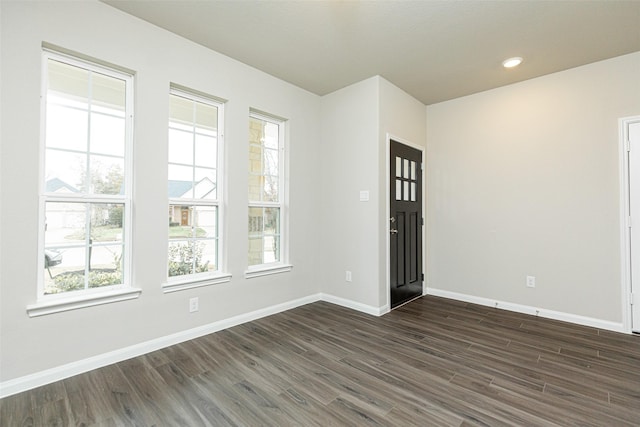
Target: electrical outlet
point(531, 281)
point(348, 276)
point(193, 304)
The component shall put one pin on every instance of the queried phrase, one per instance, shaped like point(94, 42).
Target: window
point(195, 135)
point(266, 192)
point(85, 195)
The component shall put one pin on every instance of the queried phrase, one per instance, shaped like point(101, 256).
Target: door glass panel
point(398, 189)
point(398, 166)
point(413, 191)
point(413, 170)
point(406, 191)
point(405, 172)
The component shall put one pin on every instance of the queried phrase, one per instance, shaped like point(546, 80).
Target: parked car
point(52, 257)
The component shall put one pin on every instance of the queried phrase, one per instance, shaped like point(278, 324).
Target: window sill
point(190, 283)
point(265, 270)
point(88, 300)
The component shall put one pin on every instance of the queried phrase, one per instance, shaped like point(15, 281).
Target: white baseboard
point(58, 373)
point(37, 379)
point(541, 312)
point(364, 308)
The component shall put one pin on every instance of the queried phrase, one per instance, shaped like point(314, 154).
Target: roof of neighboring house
point(54, 185)
point(178, 188)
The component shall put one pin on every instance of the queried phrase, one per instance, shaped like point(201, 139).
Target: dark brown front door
point(405, 223)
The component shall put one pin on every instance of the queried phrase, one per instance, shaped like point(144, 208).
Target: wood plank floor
point(433, 362)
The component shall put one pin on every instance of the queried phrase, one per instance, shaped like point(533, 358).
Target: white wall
point(30, 345)
point(355, 124)
point(349, 164)
point(524, 180)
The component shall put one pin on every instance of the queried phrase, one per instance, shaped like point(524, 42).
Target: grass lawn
point(179, 231)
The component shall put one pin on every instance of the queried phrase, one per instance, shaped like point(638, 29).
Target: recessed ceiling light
point(512, 62)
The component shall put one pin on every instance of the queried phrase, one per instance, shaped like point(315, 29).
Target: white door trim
point(625, 210)
point(387, 215)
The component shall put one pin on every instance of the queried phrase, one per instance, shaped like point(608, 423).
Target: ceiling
point(434, 50)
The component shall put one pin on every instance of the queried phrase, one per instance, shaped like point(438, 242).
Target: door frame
point(625, 234)
point(387, 214)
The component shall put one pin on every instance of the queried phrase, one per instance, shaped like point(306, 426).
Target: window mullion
point(107, 198)
point(255, 204)
point(88, 176)
point(87, 236)
point(193, 149)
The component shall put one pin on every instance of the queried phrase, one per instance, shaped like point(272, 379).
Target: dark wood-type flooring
point(433, 362)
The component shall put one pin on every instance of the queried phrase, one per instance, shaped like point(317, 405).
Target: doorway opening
point(405, 223)
point(630, 220)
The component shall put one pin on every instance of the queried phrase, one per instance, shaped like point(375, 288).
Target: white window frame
point(283, 264)
point(64, 301)
point(189, 281)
